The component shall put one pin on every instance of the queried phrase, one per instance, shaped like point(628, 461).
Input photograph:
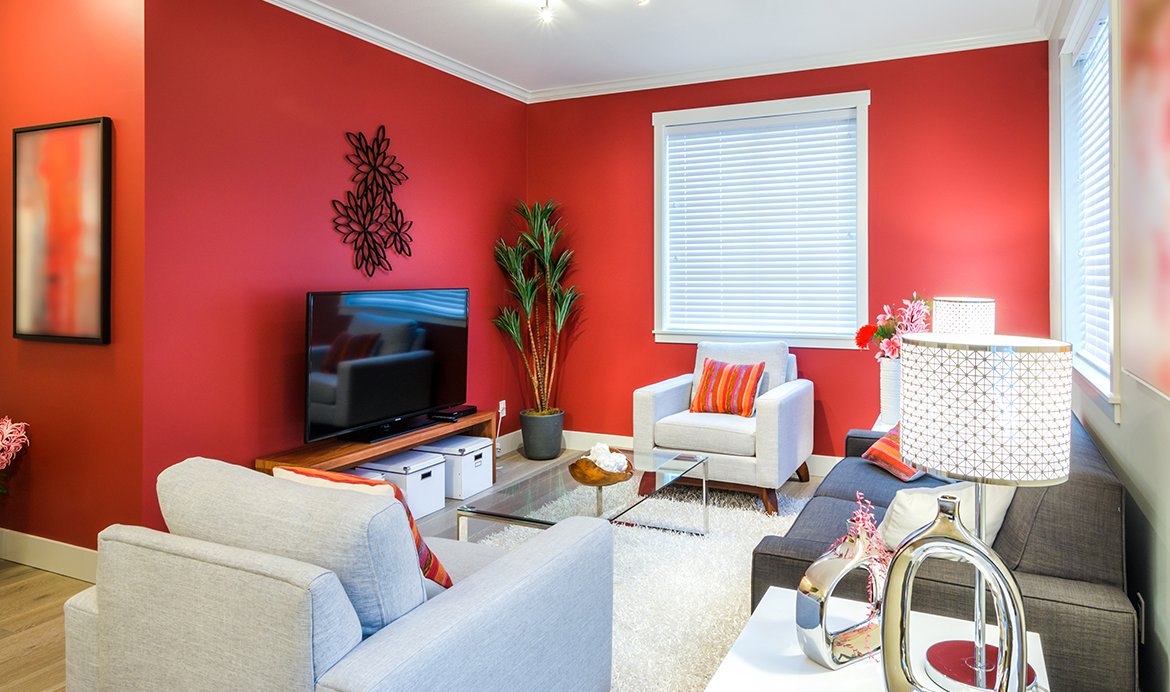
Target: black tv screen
point(377, 361)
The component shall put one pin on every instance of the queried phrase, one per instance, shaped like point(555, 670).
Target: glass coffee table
point(545, 498)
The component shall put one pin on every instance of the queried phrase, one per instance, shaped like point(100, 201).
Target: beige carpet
point(679, 600)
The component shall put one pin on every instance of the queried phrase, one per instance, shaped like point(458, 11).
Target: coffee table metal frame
point(657, 460)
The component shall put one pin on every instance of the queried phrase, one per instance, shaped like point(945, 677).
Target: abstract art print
point(61, 231)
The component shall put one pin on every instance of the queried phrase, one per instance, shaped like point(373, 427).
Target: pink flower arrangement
point(12, 440)
point(890, 325)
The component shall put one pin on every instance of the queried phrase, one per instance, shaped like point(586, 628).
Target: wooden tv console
point(338, 455)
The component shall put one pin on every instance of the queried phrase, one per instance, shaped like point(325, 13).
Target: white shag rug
point(679, 600)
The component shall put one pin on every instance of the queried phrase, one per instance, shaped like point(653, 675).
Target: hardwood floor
point(32, 627)
point(32, 621)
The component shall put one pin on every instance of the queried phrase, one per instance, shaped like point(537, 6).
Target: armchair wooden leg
point(768, 495)
point(802, 473)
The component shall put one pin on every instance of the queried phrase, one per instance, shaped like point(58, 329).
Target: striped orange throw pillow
point(727, 388)
point(887, 453)
point(431, 567)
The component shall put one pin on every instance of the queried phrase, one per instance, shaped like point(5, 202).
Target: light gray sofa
point(756, 454)
point(268, 584)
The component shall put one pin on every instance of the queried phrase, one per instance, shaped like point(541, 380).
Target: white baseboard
point(49, 555)
point(820, 465)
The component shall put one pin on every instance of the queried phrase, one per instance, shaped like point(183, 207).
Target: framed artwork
point(61, 231)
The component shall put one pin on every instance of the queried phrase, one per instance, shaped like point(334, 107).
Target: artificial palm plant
point(535, 270)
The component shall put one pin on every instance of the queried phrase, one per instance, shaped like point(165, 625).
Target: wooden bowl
point(585, 472)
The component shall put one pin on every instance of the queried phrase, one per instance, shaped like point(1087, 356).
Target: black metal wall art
point(368, 218)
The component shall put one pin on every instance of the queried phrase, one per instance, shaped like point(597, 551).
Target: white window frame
point(1078, 26)
point(858, 100)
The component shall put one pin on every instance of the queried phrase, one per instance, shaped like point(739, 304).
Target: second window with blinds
point(760, 221)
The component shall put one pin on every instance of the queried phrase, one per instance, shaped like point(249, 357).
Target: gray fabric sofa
point(1064, 543)
point(268, 584)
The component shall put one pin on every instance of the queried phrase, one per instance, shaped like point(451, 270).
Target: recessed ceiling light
point(545, 12)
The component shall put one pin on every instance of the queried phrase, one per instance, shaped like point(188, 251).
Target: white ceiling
point(604, 46)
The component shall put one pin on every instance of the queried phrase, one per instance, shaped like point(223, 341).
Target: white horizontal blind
point(760, 225)
point(1089, 267)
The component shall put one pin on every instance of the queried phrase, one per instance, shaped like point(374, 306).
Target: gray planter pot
point(541, 435)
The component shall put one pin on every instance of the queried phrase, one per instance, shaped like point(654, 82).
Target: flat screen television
point(376, 362)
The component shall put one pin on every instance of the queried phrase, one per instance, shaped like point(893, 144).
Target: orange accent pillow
point(429, 563)
point(727, 388)
point(349, 347)
point(887, 453)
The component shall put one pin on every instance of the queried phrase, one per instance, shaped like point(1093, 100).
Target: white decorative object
point(988, 409)
point(916, 507)
point(891, 369)
point(614, 462)
point(960, 315)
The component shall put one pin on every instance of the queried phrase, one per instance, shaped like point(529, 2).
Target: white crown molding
point(1046, 13)
point(1024, 35)
point(346, 23)
point(318, 12)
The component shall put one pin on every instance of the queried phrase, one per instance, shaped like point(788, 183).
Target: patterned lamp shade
point(963, 316)
point(991, 409)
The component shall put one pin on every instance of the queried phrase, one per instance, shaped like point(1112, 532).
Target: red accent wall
point(248, 107)
point(958, 205)
point(59, 61)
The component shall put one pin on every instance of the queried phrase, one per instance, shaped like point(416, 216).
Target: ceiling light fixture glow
point(643, 2)
point(545, 12)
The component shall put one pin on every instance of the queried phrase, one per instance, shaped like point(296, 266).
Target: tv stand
point(340, 455)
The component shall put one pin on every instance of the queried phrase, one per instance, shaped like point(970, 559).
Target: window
point(1088, 305)
point(760, 221)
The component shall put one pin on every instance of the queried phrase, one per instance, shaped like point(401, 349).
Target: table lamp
point(955, 315)
point(988, 409)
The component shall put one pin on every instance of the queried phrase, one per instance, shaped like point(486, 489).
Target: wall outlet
point(1141, 619)
point(503, 408)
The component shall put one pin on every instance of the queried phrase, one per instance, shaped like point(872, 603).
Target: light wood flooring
point(32, 627)
point(32, 621)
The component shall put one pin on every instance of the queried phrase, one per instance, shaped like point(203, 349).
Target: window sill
point(793, 340)
point(1097, 387)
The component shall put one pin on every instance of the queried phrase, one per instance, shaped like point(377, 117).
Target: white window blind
point(759, 226)
point(1089, 309)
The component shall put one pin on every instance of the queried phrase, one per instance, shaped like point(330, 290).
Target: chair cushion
point(428, 562)
point(717, 433)
point(727, 388)
point(854, 473)
point(914, 508)
point(774, 355)
point(364, 539)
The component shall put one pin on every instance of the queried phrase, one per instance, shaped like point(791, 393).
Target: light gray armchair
point(268, 584)
point(756, 454)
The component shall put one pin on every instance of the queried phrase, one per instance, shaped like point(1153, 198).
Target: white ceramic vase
point(891, 381)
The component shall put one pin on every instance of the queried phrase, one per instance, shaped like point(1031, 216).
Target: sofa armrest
point(784, 431)
point(654, 402)
point(538, 618)
point(858, 441)
point(81, 642)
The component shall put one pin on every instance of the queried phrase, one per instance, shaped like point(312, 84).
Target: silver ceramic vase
point(835, 650)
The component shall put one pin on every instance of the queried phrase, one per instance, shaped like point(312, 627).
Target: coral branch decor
point(12, 439)
point(368, 218)
point(890, 325)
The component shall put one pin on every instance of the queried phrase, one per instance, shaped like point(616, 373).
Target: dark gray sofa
point(1064, 543)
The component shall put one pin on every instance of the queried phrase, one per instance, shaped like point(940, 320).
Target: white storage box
point(469, 464)
point(419, 475)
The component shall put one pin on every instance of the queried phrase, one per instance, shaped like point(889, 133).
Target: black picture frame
point(62, 180)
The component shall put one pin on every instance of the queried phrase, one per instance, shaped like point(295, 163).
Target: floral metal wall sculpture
point(368, 218)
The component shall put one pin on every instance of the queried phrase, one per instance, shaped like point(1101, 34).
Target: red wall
point(248, 107)
point(958, 205)
point(69, 60)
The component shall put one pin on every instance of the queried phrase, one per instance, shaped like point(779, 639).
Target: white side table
point(767, 657)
